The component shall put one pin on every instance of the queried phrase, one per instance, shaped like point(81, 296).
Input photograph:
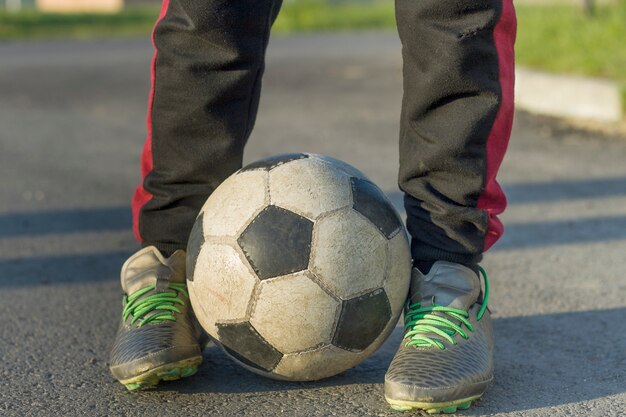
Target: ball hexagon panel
point(273, 161)
point(316, 364)
point(222, 286)
point(244, 343)
point(362, 320)
point(338, 164)
point(349, 254)
point(294, 313)
point(399, 275)
point(277, 242)
point(372, 203)
point(309, 187)
point(234, 202)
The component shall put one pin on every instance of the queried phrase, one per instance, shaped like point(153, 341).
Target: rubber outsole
point(168, 372)
point(449, 407)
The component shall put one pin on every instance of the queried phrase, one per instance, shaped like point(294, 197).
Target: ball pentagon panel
point(271, 162)
point(362, 320)
point(277, 242)
point(372, 203)
point(243, 342)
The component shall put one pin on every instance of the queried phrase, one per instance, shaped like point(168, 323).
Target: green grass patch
point(563, 38)
point(31, 24)
point(318, 15)
point(307, 15)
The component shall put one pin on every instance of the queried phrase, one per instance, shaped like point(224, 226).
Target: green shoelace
point(420, 321)
point(154, 308)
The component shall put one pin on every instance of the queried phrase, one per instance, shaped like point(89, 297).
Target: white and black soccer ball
point(298, 266)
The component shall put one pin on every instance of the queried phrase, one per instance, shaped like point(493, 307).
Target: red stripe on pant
point(493, 200)
point(141, 196)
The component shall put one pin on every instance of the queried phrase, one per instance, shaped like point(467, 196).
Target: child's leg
point(206, 82)
point(457, 114)
point(456, 122)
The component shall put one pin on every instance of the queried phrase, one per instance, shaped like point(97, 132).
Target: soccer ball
point(298, 267)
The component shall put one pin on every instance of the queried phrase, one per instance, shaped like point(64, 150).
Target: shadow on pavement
point(552, 191)
point(564, 190)
point(67, 269)
point(64, 221)
point(105, 265)
point(562, 232)
point(49, 270)
point(541, 361)
point(119, 218)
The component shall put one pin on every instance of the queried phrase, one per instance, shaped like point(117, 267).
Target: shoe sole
point(168, 372)
point(448, 407)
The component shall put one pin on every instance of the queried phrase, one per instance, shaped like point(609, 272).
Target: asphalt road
point(72, 126)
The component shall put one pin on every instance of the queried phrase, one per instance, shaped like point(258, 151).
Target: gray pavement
point(72, 117)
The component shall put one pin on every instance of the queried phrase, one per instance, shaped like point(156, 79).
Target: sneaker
point(158, 338)
point(445, 361)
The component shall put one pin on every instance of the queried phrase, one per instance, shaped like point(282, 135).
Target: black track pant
point(457, 113)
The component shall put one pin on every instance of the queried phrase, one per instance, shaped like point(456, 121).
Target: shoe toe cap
point(145, 363)
point(137, 349)
point(433, 375)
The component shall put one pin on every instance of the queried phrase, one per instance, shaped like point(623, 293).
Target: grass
point(563, 39)
point(31, 24)
point(303, 15)
point(557, 38)
point(316, 15)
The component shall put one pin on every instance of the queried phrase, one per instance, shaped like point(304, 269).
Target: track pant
point(456, 119)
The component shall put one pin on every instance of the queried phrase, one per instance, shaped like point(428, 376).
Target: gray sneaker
point(158, 338)
point(445, 360)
